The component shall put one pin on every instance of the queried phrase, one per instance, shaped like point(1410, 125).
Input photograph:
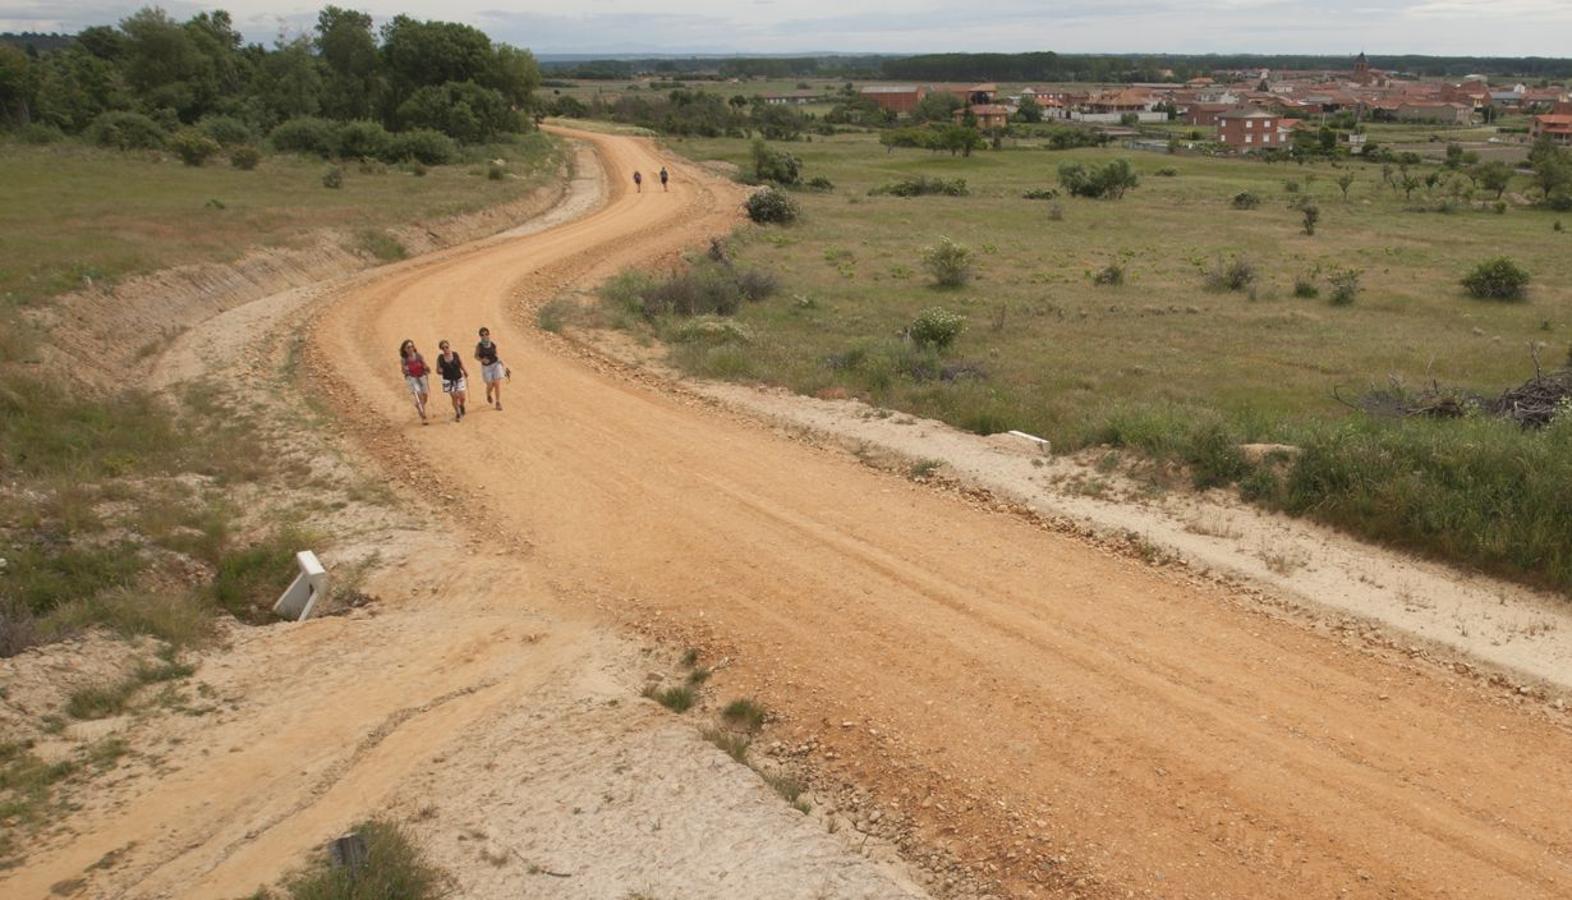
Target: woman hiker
point(416, 375)
point(638, 181)
point(492, 371)
point(455, 379)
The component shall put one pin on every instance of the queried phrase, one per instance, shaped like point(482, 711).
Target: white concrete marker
point(301, 598)
point(1040, 443)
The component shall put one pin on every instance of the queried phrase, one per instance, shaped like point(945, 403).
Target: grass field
point(74, 212)
point(1161, 361)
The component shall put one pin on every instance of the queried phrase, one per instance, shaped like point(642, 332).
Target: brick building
point(1248, 130)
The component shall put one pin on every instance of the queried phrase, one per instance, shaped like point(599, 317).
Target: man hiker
point(664, 177)
point(638, 181)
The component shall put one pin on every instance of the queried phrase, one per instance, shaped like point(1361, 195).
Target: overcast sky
point(1447, 27)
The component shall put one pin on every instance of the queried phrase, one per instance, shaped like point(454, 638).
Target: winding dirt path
point(1062, 720)
point(1058, 717)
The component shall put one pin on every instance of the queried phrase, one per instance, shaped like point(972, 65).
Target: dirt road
point(1057, 716)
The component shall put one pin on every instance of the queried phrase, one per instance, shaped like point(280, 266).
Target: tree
point(1344, 182)
point(462, 110)
point(348, 50)
point(1409, 184)
point(18, 86)
point(776, 166)
point(960, 139)
point(1492, 176)
point(292, 82)
point(778, 123)
point(939, 106)
point(1029, 111)
point(1552, 167)
point(1312, 215)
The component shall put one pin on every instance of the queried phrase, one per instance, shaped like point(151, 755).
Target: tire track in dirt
point(1057, 717)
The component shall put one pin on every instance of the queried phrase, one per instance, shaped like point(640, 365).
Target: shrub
point(1345, 286)
point(949, 263)
point(1108, 181)
point(745, 713)
point(423, 145)
point(1246, 200)
point(1111, 275)
point(126, 131)
point(1292, 186)
point(1167, 172)
point(394, 867)
point(937, 328)
point(1041, 194)
point(771, 206)
point(1305, 287)
point(333, 178)
point(1497, 279)
point(1559, 200)
point(306, 135)
point(820, 183)
point(757, 285)
point(1235, 275)
point(1055, 212)
point(363, 140)
point(227, 130)
point(1312, 215)
point(922, 185)
point(38, 133)
point(245, 157)
point(193, 147)
point(495, 172)
point(776, 166)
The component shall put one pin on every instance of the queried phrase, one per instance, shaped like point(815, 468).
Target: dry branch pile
point(1531, 404)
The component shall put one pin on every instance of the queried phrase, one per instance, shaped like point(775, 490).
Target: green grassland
point(1059, 346)
point(1161, 362)
point(74, 212)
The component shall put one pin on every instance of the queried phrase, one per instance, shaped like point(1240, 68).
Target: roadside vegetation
point(1227, 327)
point(395, 866)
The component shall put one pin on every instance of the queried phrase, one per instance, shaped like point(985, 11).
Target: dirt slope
point(1060, 717)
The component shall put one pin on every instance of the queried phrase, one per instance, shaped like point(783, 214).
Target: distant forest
point(1044, 66)
point(163, 73)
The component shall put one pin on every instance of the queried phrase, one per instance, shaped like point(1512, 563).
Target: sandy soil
point(472, 698)
point(1061, 718)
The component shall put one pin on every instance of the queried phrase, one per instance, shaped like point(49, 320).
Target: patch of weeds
point(250, 579)
point(555, 313)
point(394, 867)
point(381, 245)
point(690, 657)
point(735, 745)
point(698, 676)
point(787, 786)
point(745, 713)
point(100, 701)
point(1236, 274)
point(923, 469)
point(105, 753)
point(678, 699)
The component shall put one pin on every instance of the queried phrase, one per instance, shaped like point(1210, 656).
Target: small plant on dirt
point(333, 178)
point(949, 263)
point(1246, 200)
point(788, 787)
point(923, 469)
point(245, 157)
point(937, 328)
point(1497, 279)
point(744, 713)
point(1111, 275)
point(678, 699)
point(1291, 186)
point(1237, 274)
point(690, 657)
point(1305, 286)
point(1345, 286)
point(771, 207)
point(495, 172)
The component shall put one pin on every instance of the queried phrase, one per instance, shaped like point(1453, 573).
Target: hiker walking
point(638, 181)
point(455, 379)
point(664, 177)
point(492, 371)
point(416, 375)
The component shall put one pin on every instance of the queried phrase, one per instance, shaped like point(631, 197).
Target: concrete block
point(309, 586)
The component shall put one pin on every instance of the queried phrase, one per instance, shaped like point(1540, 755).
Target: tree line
point(1071, 67)
point(408, 75)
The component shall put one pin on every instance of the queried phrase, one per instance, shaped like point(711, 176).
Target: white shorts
point(418, 385)
point(494, 372)
point(455, 387)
